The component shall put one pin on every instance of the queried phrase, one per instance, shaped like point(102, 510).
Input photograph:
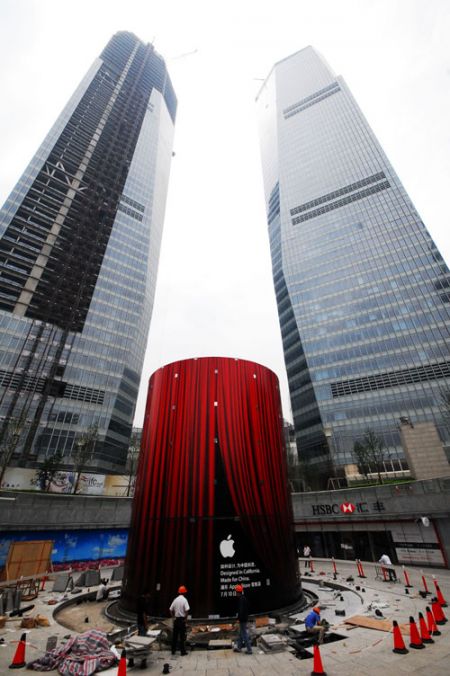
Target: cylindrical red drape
point(212, 466)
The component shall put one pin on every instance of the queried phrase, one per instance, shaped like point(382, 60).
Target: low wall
point(44, 511)
point(376, 507)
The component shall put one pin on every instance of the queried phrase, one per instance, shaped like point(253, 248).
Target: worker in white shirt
point(387, 566)
point(179, 611)
point(307, 556)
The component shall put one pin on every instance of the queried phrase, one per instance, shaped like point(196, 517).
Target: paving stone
point(361, 653)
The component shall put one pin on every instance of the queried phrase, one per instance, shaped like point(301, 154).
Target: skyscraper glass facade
point(80, 237)
point(363, 293)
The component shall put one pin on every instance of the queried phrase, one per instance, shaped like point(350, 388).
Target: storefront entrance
point(348, 545)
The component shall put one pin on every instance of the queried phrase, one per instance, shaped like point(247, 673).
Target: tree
point(49, 468)
point(132, 459)
point(362, 458)
point(11, 438)
point(295, 474)
point(82, 452)
point(370, 453)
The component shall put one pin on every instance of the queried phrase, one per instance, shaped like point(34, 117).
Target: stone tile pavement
point(363, 651)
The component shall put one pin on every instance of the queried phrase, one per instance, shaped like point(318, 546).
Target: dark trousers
point(244, 638)
point(392, 574)
point(179, 634)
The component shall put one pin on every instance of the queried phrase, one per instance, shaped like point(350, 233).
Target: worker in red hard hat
point(242, 615)
point(179, 610)
point(314, 625)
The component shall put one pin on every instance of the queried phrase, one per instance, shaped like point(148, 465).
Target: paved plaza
point(362, 651)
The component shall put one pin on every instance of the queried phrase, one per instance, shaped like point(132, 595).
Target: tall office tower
point(79, 247)
point(363, 293)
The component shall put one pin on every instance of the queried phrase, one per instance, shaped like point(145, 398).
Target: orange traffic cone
point(426, 591)
point(432, 628)
point(438, 613)
point(399, 644)
point(442, 602)
point(334, 566)
point(407, 582)
point(415, 640)
point(122, 670)
point(360, 569)
point(318, 666)
point(19, 658)
point(424, 633)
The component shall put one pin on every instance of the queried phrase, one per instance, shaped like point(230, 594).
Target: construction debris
point(219, 644)
point(273, 643)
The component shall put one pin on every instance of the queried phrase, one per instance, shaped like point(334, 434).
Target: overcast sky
point(214, 293)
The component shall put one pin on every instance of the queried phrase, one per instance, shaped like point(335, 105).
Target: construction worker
point(179, 610)
point(387, 566)
point(242, 615)
point(314, 624)
point(143, 614)
point(307, 556)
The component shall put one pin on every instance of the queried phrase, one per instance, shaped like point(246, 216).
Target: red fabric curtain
point(175, 487)
point(250, 430)
point(171, 540)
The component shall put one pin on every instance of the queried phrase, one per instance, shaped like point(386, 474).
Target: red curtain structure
point(212, 425)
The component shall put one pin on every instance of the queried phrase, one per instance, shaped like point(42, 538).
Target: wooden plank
point(28, 558)
point(372, 623)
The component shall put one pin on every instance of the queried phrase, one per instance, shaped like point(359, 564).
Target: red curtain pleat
point(252, 446)
point(174, 488)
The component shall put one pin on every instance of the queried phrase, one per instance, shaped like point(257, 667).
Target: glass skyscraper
point(363, 294)
point(79, 248)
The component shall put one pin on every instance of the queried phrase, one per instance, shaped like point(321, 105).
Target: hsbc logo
point(345, 508)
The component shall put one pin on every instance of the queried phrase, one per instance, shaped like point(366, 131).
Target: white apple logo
point(226, 548)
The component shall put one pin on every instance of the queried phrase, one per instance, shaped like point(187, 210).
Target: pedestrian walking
point(242, 615)
point(307, 555)
point(179, 610)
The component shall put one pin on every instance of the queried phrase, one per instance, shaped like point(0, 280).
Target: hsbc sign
point(347, 508)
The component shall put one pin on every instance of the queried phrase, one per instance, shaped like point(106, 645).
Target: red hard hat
point(239, 588)
point(182, 589)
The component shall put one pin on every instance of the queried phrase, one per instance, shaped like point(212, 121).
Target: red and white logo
point(347, 507)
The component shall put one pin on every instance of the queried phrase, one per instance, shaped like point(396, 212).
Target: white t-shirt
point(100, 593)
point(306, 551)
point(386, 560)
point(180, 606)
